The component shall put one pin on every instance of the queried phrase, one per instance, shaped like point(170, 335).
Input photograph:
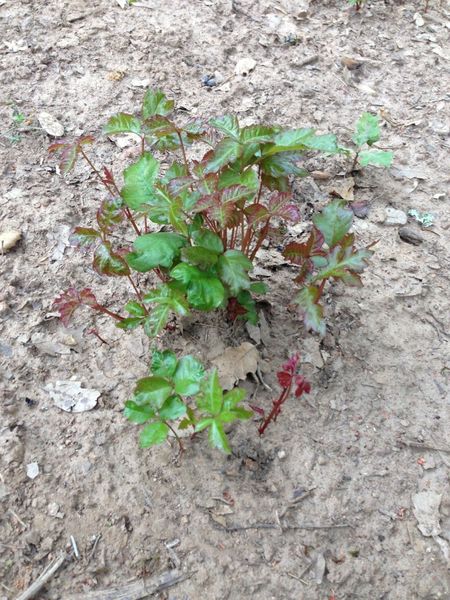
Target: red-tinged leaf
point(68, 151)
point(308, 299)
point(275, 183)
point(84, 237)
point(283, 164)
point(302, 386)
point(159, 126)
point(122, 123)
point(290, 366)
point(209, 184)
point(177, 185)
point(108, 177)
point(258, 410)
point(256, 213)
point(107, 262)
point(194, 129)
point(284, 379)
point(70, 300)
point(110, 213)
point(226, 151)
point(235, 193)
point(227, 215)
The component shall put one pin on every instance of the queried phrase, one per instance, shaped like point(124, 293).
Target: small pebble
point(395, 217)
point(8, 239)
point(32, 470)
point(50, 125)
point(411, 235)
point(360, 209)
point(209, 81)
point(281, 454)
point(244, 66)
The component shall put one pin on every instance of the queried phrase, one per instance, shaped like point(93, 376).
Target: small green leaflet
point(204, 291)
point(378, 158)
point(164, 363)
point(367, 130)
point(137, 413)
point(188, 375)
point(334, 222)
point(173, 408)
point(211, 397)
point(226, 151)
point(156, 320)
point(139, 181)
point(233, 270)
point(107, 262)
point(156, 103)
point(153, 391)
point(228, 124)
point(153, 434)
point(122, 123)
point(307, 299)
point(155, 250)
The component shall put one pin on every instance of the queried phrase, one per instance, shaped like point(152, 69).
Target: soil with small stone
point(347, 494)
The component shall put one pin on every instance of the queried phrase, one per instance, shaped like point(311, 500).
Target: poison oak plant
point(197, 226)
point(368, 133)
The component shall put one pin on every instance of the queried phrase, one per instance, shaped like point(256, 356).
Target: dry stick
point(233, 528)
point(137, 589)
point(419, 446)
point(45, 576)
point(296, 501)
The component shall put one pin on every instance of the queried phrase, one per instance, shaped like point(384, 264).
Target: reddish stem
point(106, 311)
point(276, 409)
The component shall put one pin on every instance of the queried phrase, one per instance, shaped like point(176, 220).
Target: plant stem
point(138, 293)
point(177, 437)
point(276, 409)
point(106, 311)
point(96, 171)
point(355, 161)
point(261, 238)
point(183, 150)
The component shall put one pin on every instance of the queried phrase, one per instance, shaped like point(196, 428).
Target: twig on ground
point(96, 541)
point(45, 576)
point(135, 590)
point(24, 525)
point(296, 501)
point(422, 446)
point(74, 547)
point(260, 377)
point(232, 528)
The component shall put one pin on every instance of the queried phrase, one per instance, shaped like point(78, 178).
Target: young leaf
point(324, 143)
point(207, 239)
point(228, 124)
point(342, 262)
point(367, 130)
point(136, 413)
point(289, 140)
point(334, 222)
point(70, 300)
point(84, 237)
point(308, 299)
point(139, 181)
point(153, 434)
point(69, 151)
point(173, 408)
point(282, 164)
point(233, 270)
point(152, 250)
point(378, 158)
point(129, 323)
point(188, 375)
point(156, 320)
point(153, 391)
point(159, 126)
point(256, 134)
point(233, 397)
point(110, 213)
point(204, 291)
point(229, 177)
point(122, 123)
point(210, 400)
point(156, 103)
point(217, 437)
point(225, 152)
point(201, 257)
point(135, 309)
point(107, 262)
point(164, 363)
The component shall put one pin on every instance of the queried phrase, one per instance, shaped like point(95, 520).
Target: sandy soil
point(373, 434)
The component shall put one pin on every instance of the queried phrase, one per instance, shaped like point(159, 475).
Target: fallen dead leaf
point(71, 397)
point(236, 363)
point(344, 189)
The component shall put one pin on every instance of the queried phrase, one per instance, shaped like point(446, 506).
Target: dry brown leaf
point(236, 363)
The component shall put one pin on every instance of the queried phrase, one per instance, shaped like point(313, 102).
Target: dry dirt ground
point(374, 432)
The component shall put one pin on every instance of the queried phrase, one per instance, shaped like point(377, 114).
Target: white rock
point(32, 470)
point(8, 239)
point(281, 455)
point(71, 397)
point(395, 217)
point(244, 66)
point(50, 124)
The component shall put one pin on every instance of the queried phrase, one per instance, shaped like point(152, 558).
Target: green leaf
point(168, 294)
point(153, 434)
point(110, 213)
point(211, 397)
point(256, 134)
point(233, 397)
point(367, 130)
point(225, 152)
point(159, 126)
point(139, 181)
point(107, 262)
point(136, 413)
point(342, 260)
point(233, 270)
point(289, 140)
point(173, 408)
point(258, 287)
point(324, 143)
point(248, 178)
point(334, 222)
point(245, 300)
point(155, 250)
point(129, 323)
point(156, 320)
point(203, 424)
point(201, 257)
point(153, 391)
point(135, 309)
point(217, 437)
point(207, 239)
point(188, 375)
point(164, 363)
point(122, 123)
point(282, 164)
point(228, 124)
point(379, 158)
point(308, 299)
point(84, 237)
point(204, 291)
point(156, 103)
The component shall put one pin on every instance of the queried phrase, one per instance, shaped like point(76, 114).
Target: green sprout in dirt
point(367, 133)
point(356, 3)
point(197, 227)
